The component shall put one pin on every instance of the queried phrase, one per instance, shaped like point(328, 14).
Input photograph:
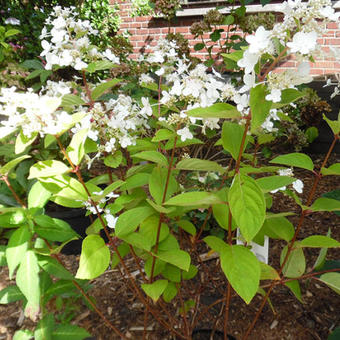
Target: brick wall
point(145, 31)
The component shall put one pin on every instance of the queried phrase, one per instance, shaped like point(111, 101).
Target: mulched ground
point(312, 319)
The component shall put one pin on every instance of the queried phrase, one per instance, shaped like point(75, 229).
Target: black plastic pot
point(204, 334)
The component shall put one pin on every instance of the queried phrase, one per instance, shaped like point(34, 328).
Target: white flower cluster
point(56, 89)
point(297, 185)
point(100, 205)
point(31, 112)
point(66, 40)
point(197, 88)
point(298, 32)
point(116, 123)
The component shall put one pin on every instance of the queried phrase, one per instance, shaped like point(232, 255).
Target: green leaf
point(10, 294)
point(53, 229)
point(199, 165)
point(59, 288)
point(3, 261)
point(48, 168)
point(170, 144)
point(100, 65)
point(4, 170)
point(23, 334)
point(232, 134)
point(163, 134)
point(325, 204)
point(149, 228)
point(38, 196)
point(172, 273)
point(270, 183)
point(152, 156)
point(138, 240)
point(11, 32)
point(17, 247)
point(131, 219)
point(136, 181)
point(176, 257)
point(32, 64)
point(113, 161)
point(228, 20)
point(157, 185)
point(333, 124)
point(334, 169)
point(27, 280)
point(157, 269)
point(194, 199)
point(191, 273)
point(70, 100)
point(319, 241)
point(22, 141)
point(170, 292)
point(278, 228)
point(34, 74)
point(321, 259)
point(187, 226)
point(296, 159)
point(259, 106)
point(94, 258)
point(76, 149)
point(268, 272)
point(218, 110)
point(53, 267)
point(296, 263)
point(101, 88)
point(44, 328)
point(215, 243)
point(288, 96)
point(221, 211)
point(199, 46)
point(215, 36)
point(311, 134)
point(69, 332)
point(294, 286)
point(67, 191)
point(155, 289)
point(247, 205)
point(242, 270)
point(332, 280)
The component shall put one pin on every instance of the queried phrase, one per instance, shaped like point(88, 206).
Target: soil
point(313, 318)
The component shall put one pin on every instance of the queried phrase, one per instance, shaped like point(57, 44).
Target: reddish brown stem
point(17, 198)
point(87, 89)
point(291, 244)
point(114, 247)
point(161, 215)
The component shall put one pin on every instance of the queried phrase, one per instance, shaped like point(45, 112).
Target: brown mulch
point(291, 319)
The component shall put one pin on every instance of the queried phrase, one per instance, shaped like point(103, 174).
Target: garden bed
point(312, 319)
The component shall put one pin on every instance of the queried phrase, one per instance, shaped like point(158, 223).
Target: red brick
point(332, 25)
point(135, 24)
point(323, 64)
point(316, 71)
point(182, 30)
point(332, 41)
point(289, 63)
point(330, 33)
point(154, 31)
point(331, 71)
point(141, 43)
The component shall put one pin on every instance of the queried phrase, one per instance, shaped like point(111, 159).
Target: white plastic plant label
point(261, 252)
